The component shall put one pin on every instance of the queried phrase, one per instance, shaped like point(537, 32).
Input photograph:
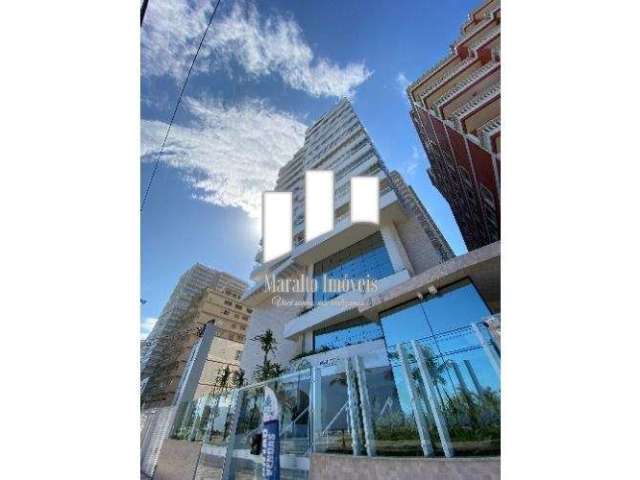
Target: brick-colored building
point(455, 107)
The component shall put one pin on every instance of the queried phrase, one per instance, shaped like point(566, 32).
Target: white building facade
point(311, 327)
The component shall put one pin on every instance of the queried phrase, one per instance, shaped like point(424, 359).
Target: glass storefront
point(366, 258)
point(465, 384)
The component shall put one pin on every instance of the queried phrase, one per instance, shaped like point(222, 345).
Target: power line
point(184, 86)
point(143, 10)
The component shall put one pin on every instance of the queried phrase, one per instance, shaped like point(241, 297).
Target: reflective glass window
point(352, 332)
point(366, 258)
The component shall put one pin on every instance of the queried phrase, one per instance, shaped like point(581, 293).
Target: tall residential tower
point(455, 107)
point(171, 323)
point(405, 243)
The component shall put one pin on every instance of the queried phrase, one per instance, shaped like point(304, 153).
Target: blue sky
point(266, 71)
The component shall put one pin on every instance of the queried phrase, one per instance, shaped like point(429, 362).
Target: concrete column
point(193, 369)
point(397, 253)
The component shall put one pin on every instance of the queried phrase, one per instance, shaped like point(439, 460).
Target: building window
point(228, 302)
point(238, 354)
point(461, 368)
point(352, 332)
point(454, 307)
point(238, 306)
point(366, 258)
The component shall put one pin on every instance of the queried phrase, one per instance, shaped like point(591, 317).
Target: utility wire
point(184, 86)
point(143, 10)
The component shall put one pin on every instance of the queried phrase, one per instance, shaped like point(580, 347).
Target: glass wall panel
point(352, 332)
point(468, 390)
point(366, 258)
point(243, 463)
point(295, 434)
point(394, 426)
point(214, 436)
point(466, 386)
point(292, 392)
point(456, 306)
point(335, 430)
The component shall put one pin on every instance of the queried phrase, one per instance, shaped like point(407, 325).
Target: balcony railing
point(491, 34)
point(448, 76)
point(460, 86)
point(432, 70)
point(487, 131)
point(485, 97)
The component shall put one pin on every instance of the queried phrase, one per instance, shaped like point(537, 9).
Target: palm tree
point(238, 378)
point(268, 369)
point(222, 381)
point(268, 343)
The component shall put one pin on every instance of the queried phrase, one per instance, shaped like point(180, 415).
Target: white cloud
point(261, 46)
point(229, 154)
point(402, 82)
point(146, 325)
point(414, 162)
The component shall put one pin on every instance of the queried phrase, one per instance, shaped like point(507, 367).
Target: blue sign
point(270, 436)
point(271, 450)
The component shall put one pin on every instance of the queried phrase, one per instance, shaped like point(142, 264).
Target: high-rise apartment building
point(230, 318)
point(405, 242)
point(455, 107)
point(201, 295)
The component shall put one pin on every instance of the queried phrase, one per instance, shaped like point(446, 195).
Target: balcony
point(461, 86)
point(481, 40)
point(488, 18)
point(474, 104)
point(446, 77)
point(487, 133)
point(426, 75)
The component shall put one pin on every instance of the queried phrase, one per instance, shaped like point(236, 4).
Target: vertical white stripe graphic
point(277, 227)
point(365, 200)
point(318, 206)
